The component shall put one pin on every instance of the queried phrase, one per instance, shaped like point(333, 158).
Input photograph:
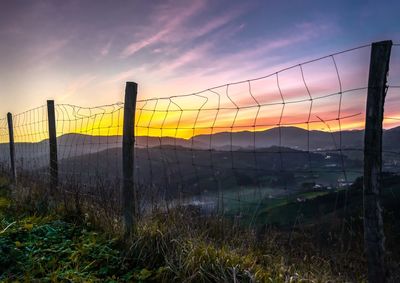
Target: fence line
point(238, 150)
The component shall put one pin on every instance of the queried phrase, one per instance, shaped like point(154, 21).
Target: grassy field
point(319, 239)
point(180, 247)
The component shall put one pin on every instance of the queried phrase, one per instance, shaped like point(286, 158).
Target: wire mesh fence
point(285, 149)
point(89, 158)
point(91, 132)
point(226, 148)
point(31, 144)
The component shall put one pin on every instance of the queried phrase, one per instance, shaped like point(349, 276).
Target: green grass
point(183, 246)
point(53, 250)
point(178, 247)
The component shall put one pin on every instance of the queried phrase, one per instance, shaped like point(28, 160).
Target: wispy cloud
point(178, 26)
point(254, 60)
point(52, 47)
point(106, 48)
point(190, 57)
point(43, 56)
point(203, 67)
point(168, 19)
point(76, 85)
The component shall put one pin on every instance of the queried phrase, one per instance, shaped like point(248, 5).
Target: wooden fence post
point(12, 148)
point(128, 146)
point(52, 145)
point(373, 224)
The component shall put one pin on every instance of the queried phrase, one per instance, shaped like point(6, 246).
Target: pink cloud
point(175, 26)
point(168, 20)
point(189, 57)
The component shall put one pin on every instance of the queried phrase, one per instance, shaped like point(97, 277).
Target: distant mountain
point(391, 139)
point(296, 138)
point(292, 137)
point(89, 143)
point(71, 145)
point(281, 157)
point(34, 155)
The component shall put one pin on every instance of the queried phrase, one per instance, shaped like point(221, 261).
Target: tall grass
point(81, 244)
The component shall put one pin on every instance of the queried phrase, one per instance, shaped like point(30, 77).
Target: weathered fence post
point(373, 224)
point(12, 148)
point(128, 145)
point(52, 145)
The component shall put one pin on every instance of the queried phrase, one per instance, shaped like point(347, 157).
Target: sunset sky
point(83, 52)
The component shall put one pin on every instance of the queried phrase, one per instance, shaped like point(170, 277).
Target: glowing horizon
point(167, 123)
